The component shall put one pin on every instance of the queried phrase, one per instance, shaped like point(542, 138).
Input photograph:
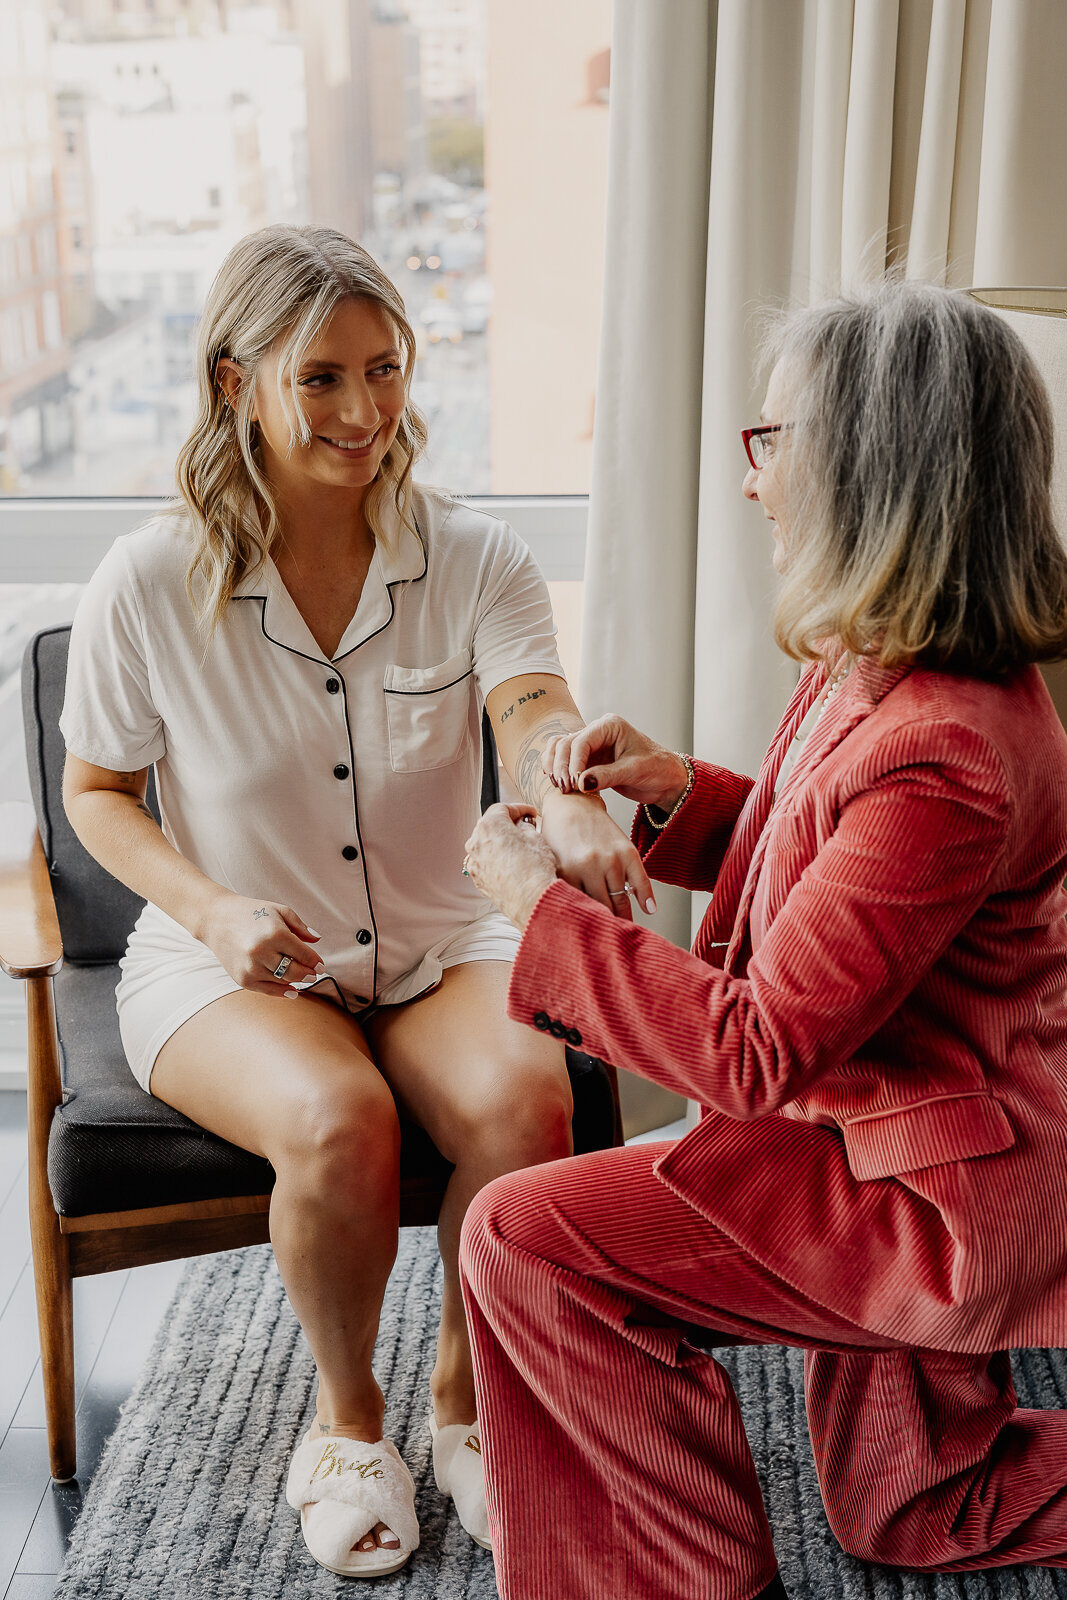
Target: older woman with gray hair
point(873, 1017)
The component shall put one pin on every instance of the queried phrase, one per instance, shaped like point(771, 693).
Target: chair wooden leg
point(51, 1255)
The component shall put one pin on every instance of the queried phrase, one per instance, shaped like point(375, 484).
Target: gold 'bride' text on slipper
point(471, 1441)
point(330, 1461)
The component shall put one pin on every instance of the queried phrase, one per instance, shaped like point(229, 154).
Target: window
point(463, 141)
point(184, 127)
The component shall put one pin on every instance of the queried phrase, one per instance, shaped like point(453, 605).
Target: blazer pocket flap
point(927, 1135)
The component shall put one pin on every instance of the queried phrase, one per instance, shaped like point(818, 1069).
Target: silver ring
point(619, 894)
point(283, 967)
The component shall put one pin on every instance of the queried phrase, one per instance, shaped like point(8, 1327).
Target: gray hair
point(279, 283)
point(920, 456)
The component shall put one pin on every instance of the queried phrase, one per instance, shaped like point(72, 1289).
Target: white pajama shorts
point(168, 976)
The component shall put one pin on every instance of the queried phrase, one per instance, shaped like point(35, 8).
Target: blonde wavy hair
point(278, 284)
point(918, 459)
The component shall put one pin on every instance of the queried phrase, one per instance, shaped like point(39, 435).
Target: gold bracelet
point(679, 803)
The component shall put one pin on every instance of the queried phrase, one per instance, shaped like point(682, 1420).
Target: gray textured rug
point(188, 1501)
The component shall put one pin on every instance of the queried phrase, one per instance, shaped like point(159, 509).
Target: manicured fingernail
point(319, 967)
point(588, 781)
point(313, 934)
point(650, 906)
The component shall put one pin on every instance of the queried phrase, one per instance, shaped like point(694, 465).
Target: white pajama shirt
point(344, 788)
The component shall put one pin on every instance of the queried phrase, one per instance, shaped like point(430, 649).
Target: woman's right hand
point(610, 754)
point(250, 937)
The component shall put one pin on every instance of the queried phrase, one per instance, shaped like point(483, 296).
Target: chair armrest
point(30, 942)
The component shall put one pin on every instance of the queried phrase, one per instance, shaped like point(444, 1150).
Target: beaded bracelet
point(679, 803)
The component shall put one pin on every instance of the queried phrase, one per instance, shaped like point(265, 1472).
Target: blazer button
point(556, 1029)
point(350, 852)
point(340, 771)
point(364, 936)
point(573, 1037)
point(540, 1020)
point(332, 686)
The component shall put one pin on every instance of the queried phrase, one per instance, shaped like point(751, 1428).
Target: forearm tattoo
point(530, 781)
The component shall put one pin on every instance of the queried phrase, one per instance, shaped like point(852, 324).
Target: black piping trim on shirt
point(329, 665)
point(328, 977)
point(392, 604)
point(437, 686)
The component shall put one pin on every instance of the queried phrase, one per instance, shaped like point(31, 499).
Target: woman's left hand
point(594, 854)
point(509, 861)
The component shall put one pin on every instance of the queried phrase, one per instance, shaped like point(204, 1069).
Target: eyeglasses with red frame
point(759, 442)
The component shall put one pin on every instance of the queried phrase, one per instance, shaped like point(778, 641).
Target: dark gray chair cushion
point(112, 1147)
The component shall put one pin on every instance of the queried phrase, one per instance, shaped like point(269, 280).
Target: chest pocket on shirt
point(428, 709)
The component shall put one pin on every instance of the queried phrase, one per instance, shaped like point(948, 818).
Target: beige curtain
point(768, 152)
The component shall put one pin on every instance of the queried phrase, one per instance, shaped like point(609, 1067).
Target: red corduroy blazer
point(874, 1015)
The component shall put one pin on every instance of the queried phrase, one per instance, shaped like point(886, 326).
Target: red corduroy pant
point(616, 1459)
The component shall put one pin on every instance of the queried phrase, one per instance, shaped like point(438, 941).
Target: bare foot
point(381, 1536)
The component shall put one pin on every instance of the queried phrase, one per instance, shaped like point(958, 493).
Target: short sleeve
point(513, 631)
point(109, 718)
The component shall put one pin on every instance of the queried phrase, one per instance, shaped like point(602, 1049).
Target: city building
point(397, 123)
point(545, 239)
point(35, 409)
point(74, 229)
point(452, 55)
point(336, 37)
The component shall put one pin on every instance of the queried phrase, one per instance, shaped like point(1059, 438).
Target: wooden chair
point(117, 1178)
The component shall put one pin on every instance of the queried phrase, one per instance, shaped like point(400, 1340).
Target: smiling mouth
point(350, 447)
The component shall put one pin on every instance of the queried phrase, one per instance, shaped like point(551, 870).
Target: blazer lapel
point(867, 685)
point(721, 915)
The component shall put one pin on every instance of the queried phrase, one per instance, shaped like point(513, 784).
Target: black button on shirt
point(350, 852)
point(556, 1029)
point(540, 1020)
point(364, 936)
point(340, 771)
point(332, 686)
point(573, 1037)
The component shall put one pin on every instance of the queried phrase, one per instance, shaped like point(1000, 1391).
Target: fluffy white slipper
point(342, 1488)
point(458, 1471)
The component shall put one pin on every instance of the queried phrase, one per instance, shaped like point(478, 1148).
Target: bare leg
point(294, 1081)
point(494, 1096)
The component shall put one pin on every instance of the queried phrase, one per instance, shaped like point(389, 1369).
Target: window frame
point(64, 540)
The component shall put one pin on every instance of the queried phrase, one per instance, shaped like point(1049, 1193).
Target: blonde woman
point(302, 649)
